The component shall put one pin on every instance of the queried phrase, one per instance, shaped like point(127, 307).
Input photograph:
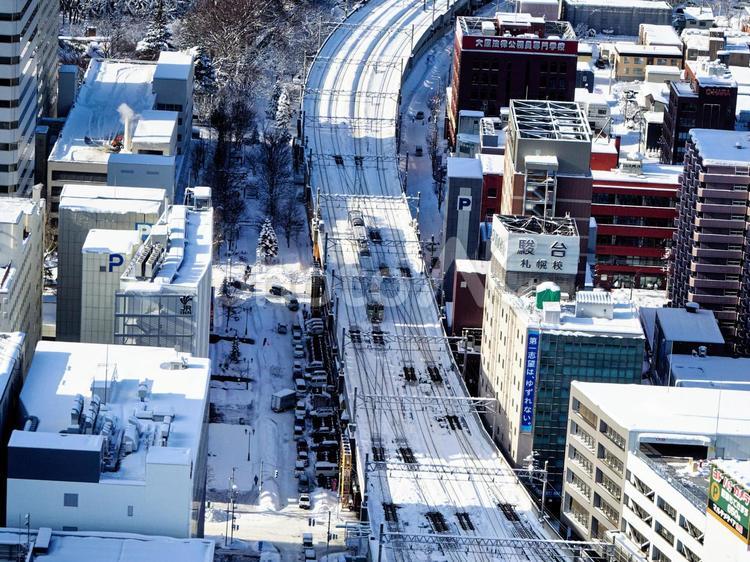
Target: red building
point(510, 56)
point(492, 183)
point(634, 209)
point(468, 295)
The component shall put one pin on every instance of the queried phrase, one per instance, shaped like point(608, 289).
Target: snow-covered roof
point(188, 256)
point(675, 71)
point(155, 127)
point(647, 50)
point(663, 174)
point(12, 208)
point(110, 199)
point(698, 12)
point(95, 116)
point(660, 35)
point(711, 73)
point(492, 164)
point(173, 65)
point(108, 547)
point(11, 346)
point(473, 266)
point(100, 241)
point(624, 322)
point(638, 4)
point(470, 168)
point(584, 96)
point(61, 370)
point(671, 410)
point(710, 371)
point(722, 148)
point(739, 469)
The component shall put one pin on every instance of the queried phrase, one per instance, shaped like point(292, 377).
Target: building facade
point(707, 100)
point(119, 443)
point(492, 64)
point(617, 17)
point(708, 259)
point(634, 209)
point(21, 268)
point(548, 165)
point(630, 61)
point(82, 209)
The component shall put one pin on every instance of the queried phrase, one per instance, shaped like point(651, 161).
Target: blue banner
point(529, 381)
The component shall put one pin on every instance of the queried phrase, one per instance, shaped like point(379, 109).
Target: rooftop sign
point(729, 502)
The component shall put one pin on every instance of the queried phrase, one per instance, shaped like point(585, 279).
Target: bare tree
point(274, 170)
point(290, 220)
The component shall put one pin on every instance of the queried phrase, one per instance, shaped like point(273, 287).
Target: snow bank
point(269, 498)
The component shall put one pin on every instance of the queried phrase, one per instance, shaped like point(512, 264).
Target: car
point(292, 304)
point(418, 151)
point(300, 386)
point(299, 429)
point(307, 540)
point(299, 351)
point(310, 555)
point(296, 333)
point(303, 456)
point(303, 484)
point(600, 63)
point(277, 290)
point(299, 467)
point(304, 502)
point(301, 445)
point(419, 115)
point(282, 329)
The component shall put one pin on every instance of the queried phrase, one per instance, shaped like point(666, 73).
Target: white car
point(304, 501)
point(299, 351)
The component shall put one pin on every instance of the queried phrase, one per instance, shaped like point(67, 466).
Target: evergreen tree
point(205, 73)
point(268, 244)
point(157, 35)
point(234, 353)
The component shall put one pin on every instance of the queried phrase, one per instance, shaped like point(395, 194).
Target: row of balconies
point(718, 238)
point(725, 222)
point(712, 268)
point(727, 254)
point(728, 208)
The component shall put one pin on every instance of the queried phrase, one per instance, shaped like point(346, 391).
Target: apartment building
point(641, 470)
point(27, 86)
point(630, 60)
point(534, 346)
point(21, 267)
point(709, 255)
point(84, 208)
point(119, 440)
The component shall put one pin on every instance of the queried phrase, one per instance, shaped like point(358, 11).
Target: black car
point(303, 484)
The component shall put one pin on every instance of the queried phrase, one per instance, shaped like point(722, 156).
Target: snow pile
point(216, 514)
point(269, 497)
point(324, 500)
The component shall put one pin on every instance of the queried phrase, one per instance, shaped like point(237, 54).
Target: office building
point(21, 267)
point(616, 17)
point(509, 57)
point(127, 128)
point(708, 256)
point(467, 302)
point(45, 545)
point(548, 165)
point(164, 298)
point(533, 347)
point(631, 60)
point(642, 470)
point(706, 100)
point(29, 86)
point(463, 208)
point(115, 441)
point(82, 209)
point(634, 208)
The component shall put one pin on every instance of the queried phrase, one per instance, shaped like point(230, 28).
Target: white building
point(595, 108)
point(164, 298)
point(635, 462)
point(129, 127)
point(115, 440)
point(21, 271)
point(27, 86)
point(45, 545)
point(86, 207)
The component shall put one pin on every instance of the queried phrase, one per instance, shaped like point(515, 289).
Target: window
point(130, 511)
point(69, 528)
point(492, 192)
point(70, 500)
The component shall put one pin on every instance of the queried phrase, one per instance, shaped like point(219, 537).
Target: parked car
point(299, 351)
point(299, 429)
point(281, 328)
point(419, 116)
point(277, 290)
point(310, 554)
point(299, 467)
point(304, 503)
point(303, 484)
point(292, 304)
point(418, 151)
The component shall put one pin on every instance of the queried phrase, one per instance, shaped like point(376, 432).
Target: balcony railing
point(697, 501)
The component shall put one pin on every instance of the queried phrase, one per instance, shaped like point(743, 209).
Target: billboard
point(534, 253)
point(529, 381)
point(729, 502)
point(519, 45)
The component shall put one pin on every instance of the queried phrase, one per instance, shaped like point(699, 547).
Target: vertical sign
point(729, 502)
point(529, 380)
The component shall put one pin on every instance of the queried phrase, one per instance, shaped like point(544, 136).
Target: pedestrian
point(256, 479)
point(265, 340)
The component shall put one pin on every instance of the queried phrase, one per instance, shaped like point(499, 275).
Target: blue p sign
point(463, 203)
point(115, 260)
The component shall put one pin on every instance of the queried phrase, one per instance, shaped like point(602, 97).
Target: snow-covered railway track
point(351, 110)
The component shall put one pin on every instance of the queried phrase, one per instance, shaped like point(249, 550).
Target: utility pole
point(260, 480)
point(233, 492)
point(544, 490)
point(328, 534)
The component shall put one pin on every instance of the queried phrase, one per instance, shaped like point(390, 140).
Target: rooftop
point(492, 164)
point(700, 326)
point(722, 148)
point(710, 371)
point(464, 168)
point(514, 24)
point(665, 410)
point(472, 266)
point(737, 469)
point(111, 199)
point(12, 208)
point(650, 172)
point(94, 121)
point(536, 119)
point(155, 127)
point(579, 320)
point(110, 241)
point(60, 546)
point(660, 34)
point(182, 240)
point(11, 347)
point(710, 73)
point(688, 475)
point(637, 4)
point(175, 385)
point(563, 226)
point(173, 65)
point(634, 49)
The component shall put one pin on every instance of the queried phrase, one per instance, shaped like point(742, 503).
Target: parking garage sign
point(729, 502)
point(529, 381)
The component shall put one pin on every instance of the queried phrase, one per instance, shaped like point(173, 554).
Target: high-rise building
point(21, 267)
point(636, 462)
point(28, 88)
point(548, 165)
point(506, 57)
point(119, 440)
point(82, 209)
point(706, 100)
point(709, 255)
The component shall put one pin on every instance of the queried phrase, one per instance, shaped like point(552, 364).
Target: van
point(307, 540)
point(318, 379)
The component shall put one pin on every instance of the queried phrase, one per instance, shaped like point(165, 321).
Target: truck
point(283, 400)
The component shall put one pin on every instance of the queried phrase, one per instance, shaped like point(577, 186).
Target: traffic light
point(275, 473)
